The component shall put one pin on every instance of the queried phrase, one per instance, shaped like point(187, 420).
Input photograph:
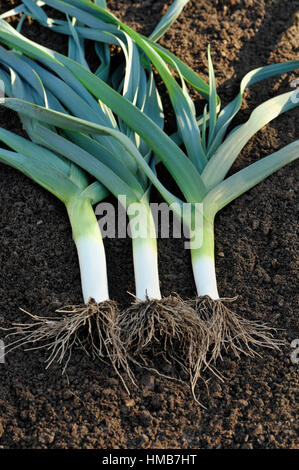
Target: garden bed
point(255, 258)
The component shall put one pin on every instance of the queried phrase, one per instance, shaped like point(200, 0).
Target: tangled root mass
point(192, 334)
point(169, 328)
point(230, 331)
point(92, 326)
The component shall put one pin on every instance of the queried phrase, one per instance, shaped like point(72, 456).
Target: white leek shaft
point(146, 269)
point(92, 260)
point(91, 252)
point(203, 263)
point(205, 276)
point(145, 253)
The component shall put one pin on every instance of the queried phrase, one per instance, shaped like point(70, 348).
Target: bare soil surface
point(255, 406)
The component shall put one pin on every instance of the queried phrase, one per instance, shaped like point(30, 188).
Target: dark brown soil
point(256, 259)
